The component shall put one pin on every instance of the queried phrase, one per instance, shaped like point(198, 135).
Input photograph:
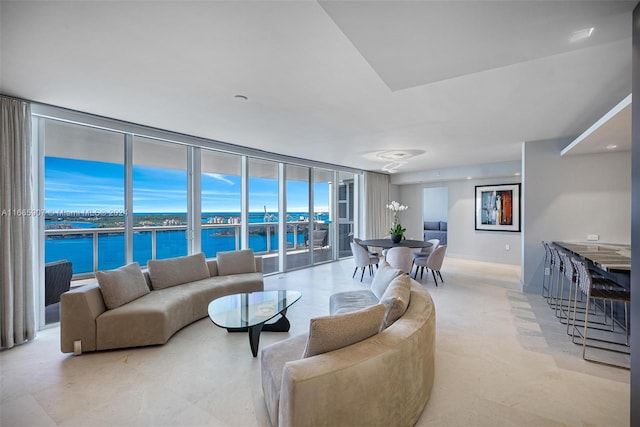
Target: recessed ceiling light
point(517, 174)
point(468, 177)
point(585, 33)
point(611, 146)
point(241, 98)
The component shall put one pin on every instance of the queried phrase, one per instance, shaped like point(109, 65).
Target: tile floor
point(502, 360)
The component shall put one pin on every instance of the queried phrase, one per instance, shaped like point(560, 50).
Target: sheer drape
point(17, 225)
point(376, 197)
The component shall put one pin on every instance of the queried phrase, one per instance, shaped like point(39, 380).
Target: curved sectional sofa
point(129, 307)
point(383, 380)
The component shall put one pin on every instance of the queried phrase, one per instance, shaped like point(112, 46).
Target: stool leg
point(584, 336)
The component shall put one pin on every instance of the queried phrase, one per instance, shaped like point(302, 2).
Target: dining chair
point(363, 259)
point(426, 251)
point(434, 262)
point(400, 257)
point(359, 241)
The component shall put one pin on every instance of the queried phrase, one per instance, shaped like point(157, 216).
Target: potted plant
point(397, 230)
point(397, 233)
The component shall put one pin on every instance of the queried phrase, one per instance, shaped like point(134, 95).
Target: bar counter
point(614, 260)
point(606, 256)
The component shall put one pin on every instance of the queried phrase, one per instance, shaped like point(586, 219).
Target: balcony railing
point(93, 249)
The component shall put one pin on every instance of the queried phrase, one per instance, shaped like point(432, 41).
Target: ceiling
point(452, 82)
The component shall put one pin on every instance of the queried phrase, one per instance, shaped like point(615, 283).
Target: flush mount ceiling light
point(394, 158)
point(241, 97)
point(585, 33)
point(394, 155)
point(393, 166)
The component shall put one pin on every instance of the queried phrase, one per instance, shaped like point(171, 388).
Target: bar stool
point(556, 274)
point(605, 290)
point(570, 276)
point(548, 259)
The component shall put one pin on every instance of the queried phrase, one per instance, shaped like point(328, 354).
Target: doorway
point(435, 210)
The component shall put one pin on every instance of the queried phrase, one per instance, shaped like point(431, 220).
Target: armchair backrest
point(57, 280)
point(400, 257)
point(434, 262)
point(360, 255)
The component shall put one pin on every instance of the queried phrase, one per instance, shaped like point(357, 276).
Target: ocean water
point(170, 243)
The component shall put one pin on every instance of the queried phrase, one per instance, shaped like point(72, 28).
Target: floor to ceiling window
point(116, 192)
point(346, 212)
point(264, 211)
point(83, 203)
point(221, 196)
point(323, 221)
point(159, 200)
point(298, 218)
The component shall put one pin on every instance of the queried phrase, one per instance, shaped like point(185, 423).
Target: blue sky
point(80, 185)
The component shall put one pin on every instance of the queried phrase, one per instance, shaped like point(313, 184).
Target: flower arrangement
point(397, 229)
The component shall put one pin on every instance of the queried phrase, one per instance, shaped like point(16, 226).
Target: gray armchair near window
point(57, 280)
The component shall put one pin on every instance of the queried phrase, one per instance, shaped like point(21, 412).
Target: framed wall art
point(498, 207)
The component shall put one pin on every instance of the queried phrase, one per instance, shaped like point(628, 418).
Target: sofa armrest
point(259, 264)
point(79, 309)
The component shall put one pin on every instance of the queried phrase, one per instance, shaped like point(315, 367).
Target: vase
point(395, 238)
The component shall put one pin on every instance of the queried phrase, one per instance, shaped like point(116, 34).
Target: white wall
point(435, 204)
point(464, 241)
point(568, 197)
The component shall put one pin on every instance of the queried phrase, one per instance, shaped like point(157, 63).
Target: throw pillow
point(165, 273)
point(383, 277)
point(236, 262)
point(330, 333)
point(396, 299)
point(122, 285)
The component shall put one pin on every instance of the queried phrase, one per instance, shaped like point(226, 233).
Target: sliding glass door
point(84, 205)
point(264, 212)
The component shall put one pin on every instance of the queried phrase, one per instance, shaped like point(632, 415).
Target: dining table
point(388, 243)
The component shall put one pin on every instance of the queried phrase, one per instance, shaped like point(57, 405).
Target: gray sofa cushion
point(432, 225)
point(176, 271)
point(443, 225)
point(236, 262)
point(396, 299)
point(330, 333)
point(122, 285)
point(383, 277)
point(345, 302)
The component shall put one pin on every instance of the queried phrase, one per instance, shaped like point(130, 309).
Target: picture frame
point(498, 207)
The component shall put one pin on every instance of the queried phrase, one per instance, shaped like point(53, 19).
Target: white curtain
point(376, 196)
point(17, 225)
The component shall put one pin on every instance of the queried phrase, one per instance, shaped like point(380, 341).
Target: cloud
point(219, 177)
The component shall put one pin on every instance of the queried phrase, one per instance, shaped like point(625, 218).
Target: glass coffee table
point(249, 312)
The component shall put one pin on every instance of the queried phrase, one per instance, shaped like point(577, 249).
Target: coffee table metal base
point(281, 325)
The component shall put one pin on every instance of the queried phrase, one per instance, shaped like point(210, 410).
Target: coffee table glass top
point(250, 309)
